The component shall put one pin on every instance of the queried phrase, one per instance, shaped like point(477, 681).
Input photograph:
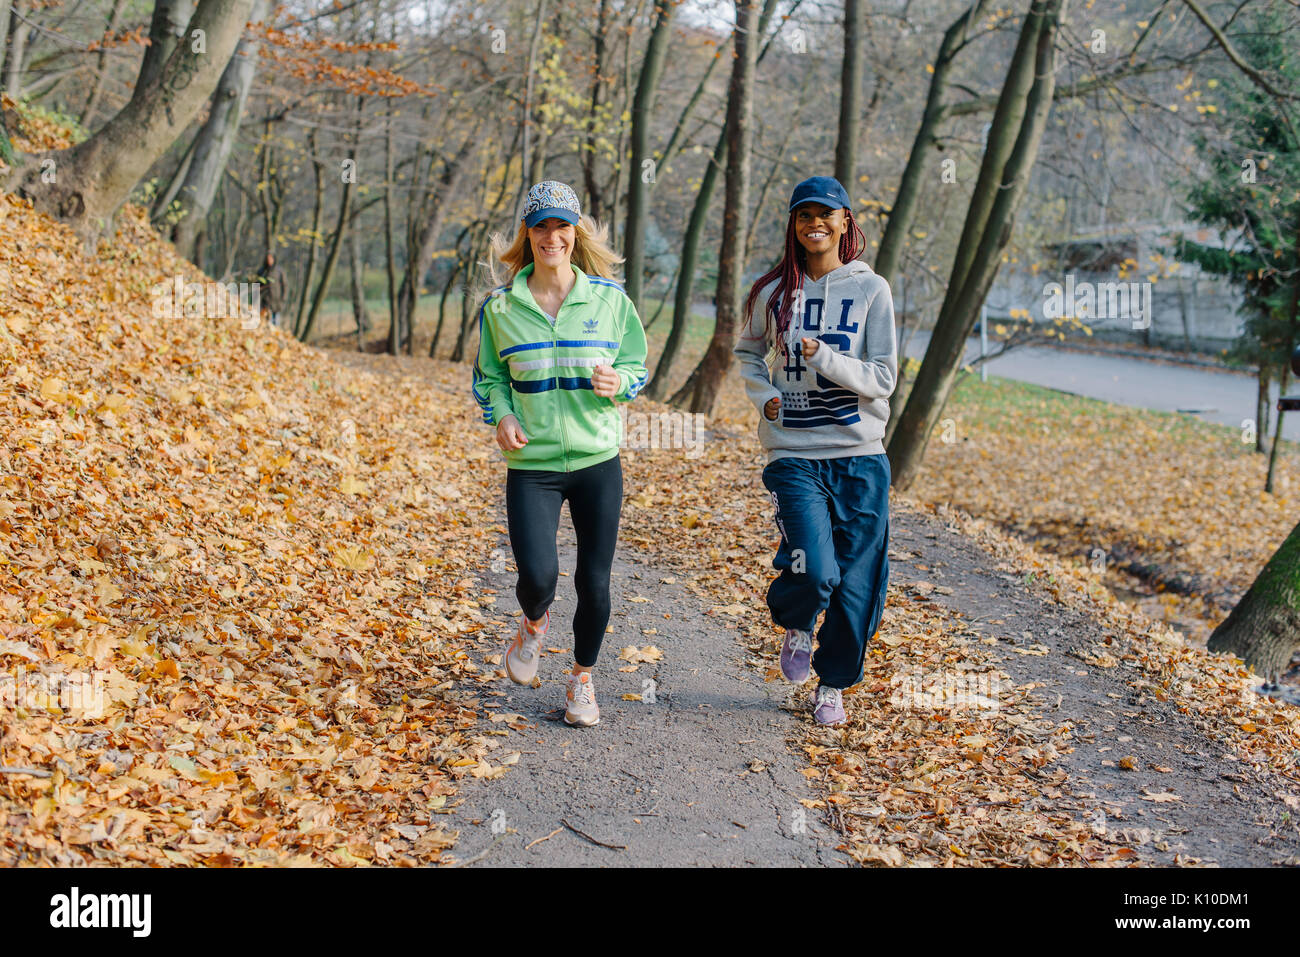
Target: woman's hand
point(809, 347)
point(771, 408)
point(510, 434)
point(604, 381)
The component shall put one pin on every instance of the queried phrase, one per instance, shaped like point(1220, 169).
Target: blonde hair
point(592, 253)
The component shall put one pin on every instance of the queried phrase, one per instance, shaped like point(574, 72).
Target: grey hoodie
point(836, 403)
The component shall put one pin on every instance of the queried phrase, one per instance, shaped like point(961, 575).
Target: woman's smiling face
point(819, 228)
point(552, 241)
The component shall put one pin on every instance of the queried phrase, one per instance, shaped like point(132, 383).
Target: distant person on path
point(273, 291)
point(826, 322)
point(559, 346)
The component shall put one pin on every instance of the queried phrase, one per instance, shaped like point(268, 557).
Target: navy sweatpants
point(833, 515)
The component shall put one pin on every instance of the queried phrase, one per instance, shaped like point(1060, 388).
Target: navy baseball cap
point(550, 200)
point(820, 189)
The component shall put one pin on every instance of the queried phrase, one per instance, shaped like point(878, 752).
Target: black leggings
point(533, 499)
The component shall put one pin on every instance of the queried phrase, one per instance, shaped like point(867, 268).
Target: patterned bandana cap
point(550, 200)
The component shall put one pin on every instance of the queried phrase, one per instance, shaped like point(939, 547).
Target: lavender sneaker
point(796, 654)
point(828, 707)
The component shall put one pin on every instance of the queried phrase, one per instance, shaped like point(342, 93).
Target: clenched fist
point(604, 381)
point(510, 434)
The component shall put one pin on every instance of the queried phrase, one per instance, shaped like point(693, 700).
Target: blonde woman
point(560, 344)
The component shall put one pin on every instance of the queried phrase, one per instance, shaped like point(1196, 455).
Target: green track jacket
point(541, 372)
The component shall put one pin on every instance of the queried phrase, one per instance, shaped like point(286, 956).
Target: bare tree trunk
point(595, 198)
point(1262, 407)
point(94, 178)
point(1015, 134)
point(167, 26)
point(1264, 627)
point(527, 116)
point(638, 184)
point(903, 211)
point(357, 270)
point(442, 309)
point(101, 64)
point(17, 49)
point(331, 260)
point(740, 102)
point(433, 217)
point(683, 296)
point(215, 139)
point(390, 255)
point(684, 293)
point(318, 207)
point(1286, 368)
point(5, 9)
point(846, 147)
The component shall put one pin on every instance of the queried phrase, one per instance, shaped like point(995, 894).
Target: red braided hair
point(790, 273)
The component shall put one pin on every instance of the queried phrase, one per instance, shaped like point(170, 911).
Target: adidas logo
point(590, 325)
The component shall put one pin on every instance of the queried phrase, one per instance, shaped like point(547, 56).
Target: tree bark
point(167, 26)
point(638, 190)
point(1292, 322)
point(740, 102)
point(318, 208)
point(433, 218)
point(1264, 627)
point(903, 212)
point(356, 267)
point(390, 256)
point(17, 48)
point(331, 260)
point(685, 291)
point(846, 147)
point(215, 140)
point(1262, 407)
point(94, 178)
point(5, 9)
point(595, 197)
point(1017, 130)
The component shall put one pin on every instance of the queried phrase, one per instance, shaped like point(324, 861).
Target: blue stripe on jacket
point(546, 385)
point(568, 343)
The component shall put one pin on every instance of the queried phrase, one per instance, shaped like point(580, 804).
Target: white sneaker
point(581, 698)
point(522, 655)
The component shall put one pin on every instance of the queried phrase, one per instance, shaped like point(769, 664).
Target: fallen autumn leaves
point(257, 564)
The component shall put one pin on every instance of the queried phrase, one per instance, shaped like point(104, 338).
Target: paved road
point(1226, 398)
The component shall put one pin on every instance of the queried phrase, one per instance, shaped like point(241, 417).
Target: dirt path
point(1227, 812)
point(695, 773)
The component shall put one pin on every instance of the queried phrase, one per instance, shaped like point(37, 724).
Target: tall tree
point(1263, 629)
point(1013, 140)
point(214, 141)
point(684, 292)
point(92, 179)
point(740, 104)
point(640, 176)
point(13, 75)
point(846, 146)
point(903, 211)
point(166, 29)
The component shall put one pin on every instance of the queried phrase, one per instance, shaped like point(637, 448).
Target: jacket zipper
point(555, 348)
